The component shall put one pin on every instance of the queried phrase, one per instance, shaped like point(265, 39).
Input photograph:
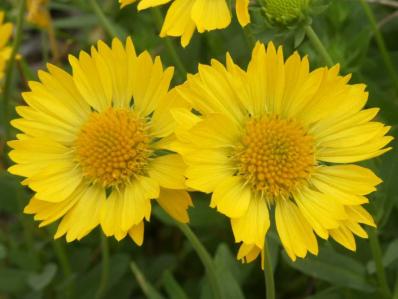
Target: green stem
point(378, 259)
point(318, 45)
point(62, 257)
point(268, 273)
point(250, 38)
point(381, 44)
point(105, 23)
point(105, 267)
point(157, 14)
point(395, 295)
point(10, 68)
point(205, 258)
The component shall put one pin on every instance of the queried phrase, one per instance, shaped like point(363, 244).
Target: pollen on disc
point(112, 147)
point(275, 155)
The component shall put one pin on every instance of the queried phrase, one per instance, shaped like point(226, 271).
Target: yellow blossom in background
point(5, 34)
point(283, 138)
point(92, 147)
point(38, 13)
point(185, 16)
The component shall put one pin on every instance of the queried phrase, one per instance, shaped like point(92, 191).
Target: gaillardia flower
point(185, 16)
point(92, 144)
point(5, 34)
point(283, 138)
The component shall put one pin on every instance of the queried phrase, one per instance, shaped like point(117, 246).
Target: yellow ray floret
point(5, 52)
point(279, 137)
point(93, 144)
point(184, 17)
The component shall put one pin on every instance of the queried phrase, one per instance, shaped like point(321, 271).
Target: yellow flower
point(5, 52)
point(185, 16)
point(280, 137)
point(38, 13)
point(92, 147)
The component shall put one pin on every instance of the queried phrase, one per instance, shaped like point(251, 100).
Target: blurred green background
point(34, 266)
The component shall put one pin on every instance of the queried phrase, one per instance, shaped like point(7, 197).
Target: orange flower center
point(112, 147)
point(275, 155)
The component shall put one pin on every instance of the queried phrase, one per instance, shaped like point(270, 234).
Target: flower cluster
point(272, 141)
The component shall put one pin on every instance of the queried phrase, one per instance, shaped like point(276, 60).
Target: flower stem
point(157, 14)
point(10, 68)
point(381, 44)
point(105, 267)
point(318, 45)
point(377, 256)
point(106, 24)
point(268, 273)
point(205, 258)
point(60, 252)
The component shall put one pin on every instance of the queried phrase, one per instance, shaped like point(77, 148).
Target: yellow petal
point(163, 122)
point(84, 216)
point(294, 231)
point(151, 86)
point(210, 14)
point(91, 81)
point(349, 178)
point(232, 197)
point(136, 232)
point(168, 171)
point(359, 214)
point(178, 22)
point(207, 169)
point(248, 253)
point(136, 201)
point(321, 211)
point(210, 133)
point(55, 184)
point(252, 227)
point(242, 11)
point(344, 236)
point(175, 203)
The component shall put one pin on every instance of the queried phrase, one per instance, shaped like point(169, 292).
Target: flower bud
point(286, 12)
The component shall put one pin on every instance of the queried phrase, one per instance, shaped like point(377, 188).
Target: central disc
point(112, 147)
point(275, 155)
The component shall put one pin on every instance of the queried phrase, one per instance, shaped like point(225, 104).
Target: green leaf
point(147, 288)
point(173, 289)
point(12, 280)
point(225, 259)
point(226, 268)
point(3, 251)
point(335, 268)
point(87, 284)
point(10, 189)
point(390, 256)
point(330, 293)
point(38, 281)
point(76, 22)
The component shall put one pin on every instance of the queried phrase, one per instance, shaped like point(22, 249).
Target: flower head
point(186, 16)
point(93, 144)
point(283, 138)
point(5, 34)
